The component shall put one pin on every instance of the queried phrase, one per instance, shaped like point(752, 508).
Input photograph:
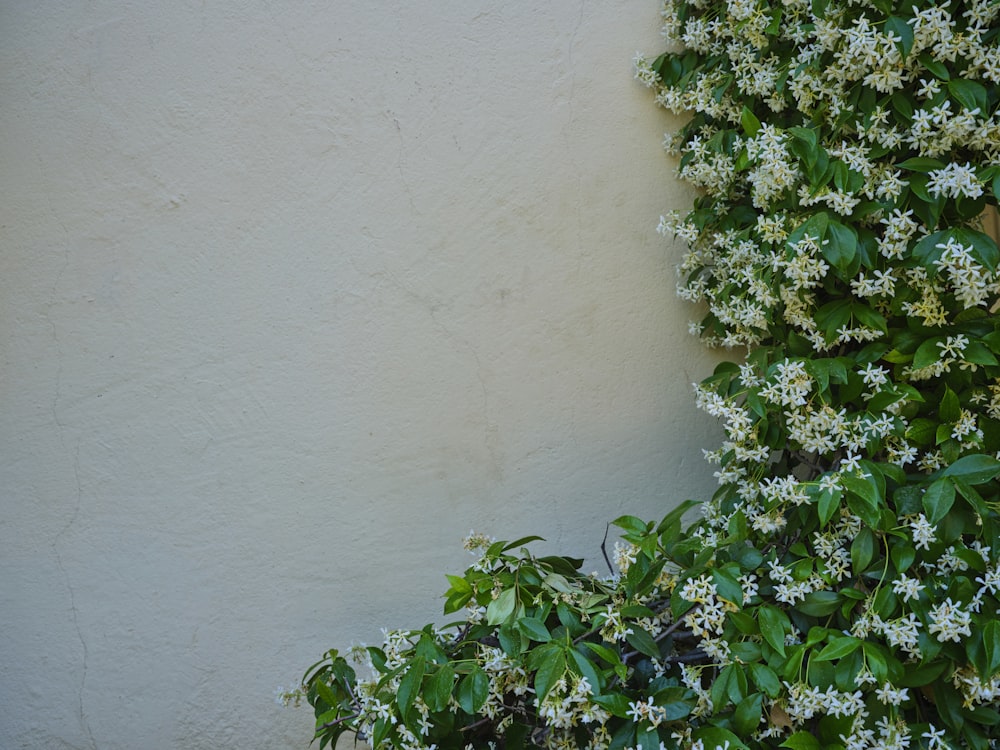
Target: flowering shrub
point(842, 587)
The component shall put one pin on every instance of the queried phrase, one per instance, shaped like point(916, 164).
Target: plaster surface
point(294, 295)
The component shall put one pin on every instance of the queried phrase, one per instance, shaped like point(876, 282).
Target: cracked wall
point(293, 296)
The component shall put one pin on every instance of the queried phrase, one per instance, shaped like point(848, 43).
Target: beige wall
point(293, 296)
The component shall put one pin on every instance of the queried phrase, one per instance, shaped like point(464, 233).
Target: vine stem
point(339, 720)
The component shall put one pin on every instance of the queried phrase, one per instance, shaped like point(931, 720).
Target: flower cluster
point(852, 148)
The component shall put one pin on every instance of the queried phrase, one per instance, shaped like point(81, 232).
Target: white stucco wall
point(293, 296)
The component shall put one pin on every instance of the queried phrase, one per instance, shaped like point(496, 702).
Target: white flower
point(791, 386)
point(644, 72)
point(850, 463)
point(935, 738)
point(923, 531)
point(971, 282)
point(955, 181)
point(891, 696)
point(949, 622)
point(907, 588)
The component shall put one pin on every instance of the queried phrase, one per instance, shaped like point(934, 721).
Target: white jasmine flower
point(891, 696)
point(907, 588)
point(923, 531)
point(955, 181)
point(949, 622)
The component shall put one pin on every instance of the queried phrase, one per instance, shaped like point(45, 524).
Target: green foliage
point(840, 590)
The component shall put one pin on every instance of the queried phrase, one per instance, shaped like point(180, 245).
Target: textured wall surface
point(293, 296)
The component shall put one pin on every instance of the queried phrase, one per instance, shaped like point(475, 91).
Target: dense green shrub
point(841, 588)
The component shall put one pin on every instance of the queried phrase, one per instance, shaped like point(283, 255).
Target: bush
point(841, 588)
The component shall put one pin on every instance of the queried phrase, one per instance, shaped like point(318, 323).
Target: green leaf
point(991, 646)
point(712, 737)
point(744, 622)
point(969, 94)
point(745, 651)
point(838, 647)
point(676, 702)
point(896, 357)
point(616, 703)
point(558, 583)
point(841, 245)
point(828, 505)
point(608, 655)
point(551, 669)
point(868, 316)
point(979, 354)
point(624, 737)
point(926, 251)
point(567, 566)
point(833, 316)
point(974, 469)
point(534, 629)
point(938, 499)
point(801, 741)
point(765, 679)
point(512, 641)
point(902, 556)
point(814, 226)
point(521, 542)
point(646, 736)
point(863, 497)
point(727, 586)
point(922, 164)
point(587, 669)
point(636, 610)
point(380, 731)
point(820, 603)
point(748, 713)
point(921, 431)
point(750, 123)
point(775, 26)
point(898, 27)
point(938, 69)
point(826, 370)
point(676, 514)
point(877, 662)
point(409, 685)
point(643, 642)
point(774, 624)
point(806, 136)
point(631, 524)
point(974, 499)
point(929, 249)
point(455, 601)
point(324, 692)
point(473, 690)
point(438, 688)
point(862, 550)
point(907, 500)
point(901, 103)
point(928, 353)
point(719, 690)
point(642, 574)
point(459, 584)
point(792, 668)
point(502, 608)
point(950, 409)
point(983, 246)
